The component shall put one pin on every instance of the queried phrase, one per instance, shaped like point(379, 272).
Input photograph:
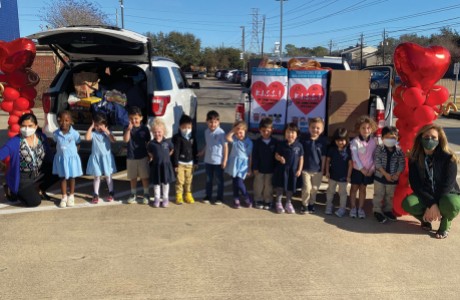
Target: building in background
point(9, 20)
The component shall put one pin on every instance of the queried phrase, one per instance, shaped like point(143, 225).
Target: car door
point(383, 84)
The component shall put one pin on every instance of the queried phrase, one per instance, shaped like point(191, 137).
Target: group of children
point(277, 166)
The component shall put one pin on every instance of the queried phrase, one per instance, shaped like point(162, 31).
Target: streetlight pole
point(122, 14)
point(281, 27)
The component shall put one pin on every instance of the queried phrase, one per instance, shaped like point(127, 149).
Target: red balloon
point(15, 127)
point(414, 97)
point(10, 94)
point(437, 95)
point(29, 92)
point(419, 66)
point(16, 55)
point(18, 113)
point(17, 79)
point(425, 114)
point(7, 106)
point(398, 92)
point(12, 133)
point(21, 104)
point(402, 111)
point(13, 120)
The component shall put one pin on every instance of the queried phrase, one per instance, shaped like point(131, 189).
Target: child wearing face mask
point(184, 160)
point(389, 164)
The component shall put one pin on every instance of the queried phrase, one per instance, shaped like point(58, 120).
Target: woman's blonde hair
point(365, 119)
point(417, 152)
point(157, 122)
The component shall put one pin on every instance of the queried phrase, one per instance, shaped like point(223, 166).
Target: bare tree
point(60, 13)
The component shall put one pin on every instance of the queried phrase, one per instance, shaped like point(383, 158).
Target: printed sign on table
point(307, 96)
point(269, 91)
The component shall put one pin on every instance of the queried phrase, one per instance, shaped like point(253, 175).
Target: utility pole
point(361, 46)
point(384, 43)
point(263, 37)
point(242, 44)
point(122, 14)
point(116, 16)
point(254, 47)
point(330, 47)
point(281, 27)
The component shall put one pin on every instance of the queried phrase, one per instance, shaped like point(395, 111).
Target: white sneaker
point(340, 212)
point(328, 210)
point(71, 201)
point(63, 202)
point(353, 213)
point(361, 213)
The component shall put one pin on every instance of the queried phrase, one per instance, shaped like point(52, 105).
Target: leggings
point(238, 186)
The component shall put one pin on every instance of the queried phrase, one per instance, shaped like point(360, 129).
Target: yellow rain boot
point(179, 199)
point(189, 198)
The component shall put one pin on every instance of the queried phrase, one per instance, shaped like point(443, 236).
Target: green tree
point(57, 13)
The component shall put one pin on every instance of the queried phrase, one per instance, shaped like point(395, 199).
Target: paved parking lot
point(199, 251)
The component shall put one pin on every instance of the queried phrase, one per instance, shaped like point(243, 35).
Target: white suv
point(155, 84)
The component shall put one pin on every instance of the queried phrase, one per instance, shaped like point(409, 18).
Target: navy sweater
point(263, 156)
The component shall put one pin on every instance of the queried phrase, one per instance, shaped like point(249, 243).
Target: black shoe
point(426, 226)
point(206, 200)
point(390, 216)
point(303, 210)
point(311, 209)
point(259, 205)
point(380, 217)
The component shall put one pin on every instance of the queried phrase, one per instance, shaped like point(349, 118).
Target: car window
point(180, 80)
point(162, 79)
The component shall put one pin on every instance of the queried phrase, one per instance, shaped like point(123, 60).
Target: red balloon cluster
point(417, 99)
point(18, 80)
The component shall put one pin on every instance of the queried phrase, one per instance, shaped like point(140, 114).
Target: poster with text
point(307, 96)
point(269, 97)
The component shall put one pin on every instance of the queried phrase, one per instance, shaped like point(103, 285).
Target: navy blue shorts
point(358, 178)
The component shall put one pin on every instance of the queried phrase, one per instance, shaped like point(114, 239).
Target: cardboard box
point(348, 99)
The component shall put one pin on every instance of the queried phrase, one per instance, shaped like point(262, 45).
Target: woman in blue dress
point(161, 169)
point(101, 161)
point(239, 161)
point(67, 163)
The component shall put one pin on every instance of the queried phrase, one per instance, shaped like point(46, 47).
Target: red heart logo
point(16, 55)
point(306, 99)
point(419, 66)
point(267, 96)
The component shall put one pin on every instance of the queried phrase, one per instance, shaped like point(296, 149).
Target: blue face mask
point(429, 144)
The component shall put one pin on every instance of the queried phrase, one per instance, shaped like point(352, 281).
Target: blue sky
point(306, 23)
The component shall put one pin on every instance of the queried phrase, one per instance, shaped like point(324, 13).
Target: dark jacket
point(263, 156)
point(184, 150)
point(444, 175)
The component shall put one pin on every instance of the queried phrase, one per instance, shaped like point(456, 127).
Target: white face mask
point(389, 142)
point(27, 131)
point(186, 133)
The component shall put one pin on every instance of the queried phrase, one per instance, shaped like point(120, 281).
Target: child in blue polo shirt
point(315, 147)
point(263, 164)
point(215, 157)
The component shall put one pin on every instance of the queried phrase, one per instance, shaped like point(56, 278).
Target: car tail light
point(159, 104)
point(239, 112)
point(46, 102)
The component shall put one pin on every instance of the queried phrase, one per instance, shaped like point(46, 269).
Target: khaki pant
point(263, 188)
point(342, 192)
point(184, 179)
point(310, 186)
point(383, 192)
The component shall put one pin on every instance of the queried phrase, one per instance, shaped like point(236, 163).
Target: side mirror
point(195, 85)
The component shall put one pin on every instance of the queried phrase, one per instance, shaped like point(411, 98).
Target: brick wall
point(46, 65)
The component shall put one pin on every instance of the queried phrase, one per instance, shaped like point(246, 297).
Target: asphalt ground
point(201, 251)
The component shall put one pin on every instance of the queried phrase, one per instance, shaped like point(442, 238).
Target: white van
point(155, 84)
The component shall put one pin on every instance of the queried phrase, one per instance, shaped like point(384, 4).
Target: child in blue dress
point(161, 169)
point(289, 157)
point(66, 163)
point(101, 161)
point(239, 161)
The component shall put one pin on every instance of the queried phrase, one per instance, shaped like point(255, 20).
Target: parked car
point(229, 75)
point(237, 76)
point(381, 80)
point(223, 75)
point(122, 61)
